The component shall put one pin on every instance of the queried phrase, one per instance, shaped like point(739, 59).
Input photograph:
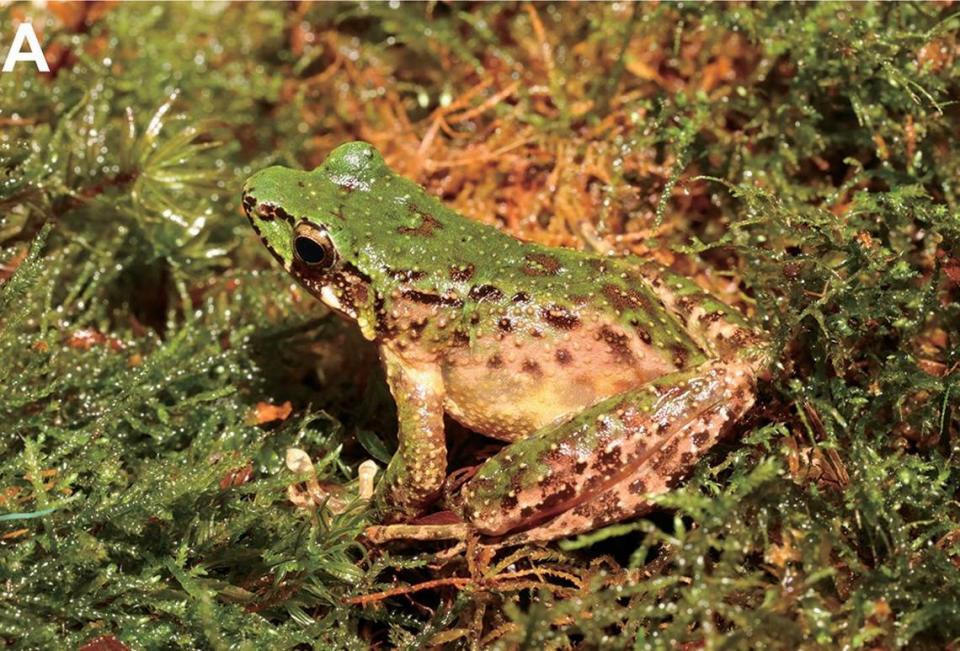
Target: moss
point(799, 163)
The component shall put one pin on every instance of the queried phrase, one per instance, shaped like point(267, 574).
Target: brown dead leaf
point(87, 338)
point(237, 477)
point(266, 412)
point(642, 70)
point(881, 609)
point(936, 54)
point(104, 643)
point(6, 270)
point(16, 533)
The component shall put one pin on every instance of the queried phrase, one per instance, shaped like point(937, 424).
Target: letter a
point(25, 33)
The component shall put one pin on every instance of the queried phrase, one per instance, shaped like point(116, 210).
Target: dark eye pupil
point(309, 251)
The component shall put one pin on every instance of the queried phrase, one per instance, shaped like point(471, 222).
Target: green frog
point(607, 377)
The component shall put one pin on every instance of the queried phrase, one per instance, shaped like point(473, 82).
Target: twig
point(407, 589)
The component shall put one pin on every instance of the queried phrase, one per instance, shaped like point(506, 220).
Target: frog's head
point(319, 225)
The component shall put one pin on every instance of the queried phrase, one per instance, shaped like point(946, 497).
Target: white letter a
point(25, 33)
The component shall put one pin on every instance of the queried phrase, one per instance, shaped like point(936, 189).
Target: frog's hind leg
point(600, 467)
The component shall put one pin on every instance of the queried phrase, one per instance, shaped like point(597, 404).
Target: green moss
point(812, 159)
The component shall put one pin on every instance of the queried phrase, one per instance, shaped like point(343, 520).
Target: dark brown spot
point(642, 333)
point(460, 338)
point(428, 224)
point(674, 479)
point(531, 367)
point(617, 342)
point(520, 297)
point(426, 298)
point(560, 317)
point(540, 264)
point(686, 458)
point(267, 211)
point(680, 355)
point(638, 486)
point(495, 361)
point(417, 327)
point(600, 266)
point(505, 324)
point(485, 292)
point(461, 274)
point(249, 203)
point(605, 462)
point(563, 356)
point(700, 438)
point(384, 327)
point(684, 305)
point(564, 494)
point(623, 298)
point(667, 452)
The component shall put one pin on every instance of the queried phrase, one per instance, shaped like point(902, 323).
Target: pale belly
point(512, 391)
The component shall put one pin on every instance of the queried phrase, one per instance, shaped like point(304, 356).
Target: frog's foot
point(602, 466)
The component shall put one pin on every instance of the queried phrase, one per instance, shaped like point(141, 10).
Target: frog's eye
point(313, 247)
point(309, 251)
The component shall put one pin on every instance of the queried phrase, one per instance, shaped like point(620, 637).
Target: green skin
point(609, 377)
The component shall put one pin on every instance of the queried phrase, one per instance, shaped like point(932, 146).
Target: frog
point(606, 378)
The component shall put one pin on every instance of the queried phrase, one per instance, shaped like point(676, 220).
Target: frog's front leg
point(416, 472)
point(601, 466)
